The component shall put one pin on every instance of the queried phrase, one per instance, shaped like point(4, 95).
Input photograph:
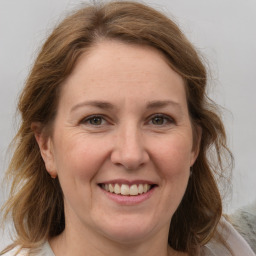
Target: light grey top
point(214, 248)
point(44, 250)
point(233, 240)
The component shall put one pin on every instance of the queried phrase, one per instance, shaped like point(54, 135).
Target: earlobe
point(44, 142)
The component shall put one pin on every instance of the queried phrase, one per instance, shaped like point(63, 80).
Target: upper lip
point(128, 182)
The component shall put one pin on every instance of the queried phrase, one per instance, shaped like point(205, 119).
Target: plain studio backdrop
point(224, 31)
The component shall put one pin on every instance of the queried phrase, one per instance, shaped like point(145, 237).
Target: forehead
point(113, 69)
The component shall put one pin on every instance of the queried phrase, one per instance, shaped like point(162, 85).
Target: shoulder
point(244, 221)
point(44, 250)
point(227, 240)
point(16, 251)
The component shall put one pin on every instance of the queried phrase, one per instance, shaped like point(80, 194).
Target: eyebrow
point(162, 104)
point(98, 104)
point(109, 106)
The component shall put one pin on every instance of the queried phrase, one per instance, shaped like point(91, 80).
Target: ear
point(44, 142)
point(197, 135)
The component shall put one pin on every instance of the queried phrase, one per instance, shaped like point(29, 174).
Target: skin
point(141, 132)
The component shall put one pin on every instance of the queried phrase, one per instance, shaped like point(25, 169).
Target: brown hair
point(36, 201)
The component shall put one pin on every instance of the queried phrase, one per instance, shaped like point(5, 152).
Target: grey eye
point(158, 120)
point(96, 120)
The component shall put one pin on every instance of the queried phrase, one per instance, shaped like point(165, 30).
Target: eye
point(161, 120)
point(94, 120)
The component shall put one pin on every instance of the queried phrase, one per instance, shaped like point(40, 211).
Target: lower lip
point(129, 200)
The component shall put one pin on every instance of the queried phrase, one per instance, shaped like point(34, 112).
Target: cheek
point(173, 155)
point(77, 161)
point(78, 158)
point(172, 158)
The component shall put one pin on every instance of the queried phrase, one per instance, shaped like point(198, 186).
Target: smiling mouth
point(127, 190)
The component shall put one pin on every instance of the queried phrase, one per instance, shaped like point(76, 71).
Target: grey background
point(224, 31)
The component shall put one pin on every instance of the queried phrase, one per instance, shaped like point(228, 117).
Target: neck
point(77, 243)
point(86, 240)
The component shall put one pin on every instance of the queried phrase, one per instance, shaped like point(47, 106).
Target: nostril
point(129, 162)
point(129, 150)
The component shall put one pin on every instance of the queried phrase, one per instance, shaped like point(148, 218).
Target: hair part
point(36, 200)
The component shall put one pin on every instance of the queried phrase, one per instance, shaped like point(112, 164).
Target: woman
point(113, 152)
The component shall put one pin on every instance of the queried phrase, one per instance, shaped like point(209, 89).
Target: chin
point(127, 237)
point(129, 231)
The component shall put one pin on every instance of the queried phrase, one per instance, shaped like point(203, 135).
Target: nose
point(129, 149)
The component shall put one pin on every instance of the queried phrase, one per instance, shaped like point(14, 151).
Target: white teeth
point(111, 188)
point(117, 189)
point(145, 188)
point(126, 190)
point(140, 189)
point(133, 190)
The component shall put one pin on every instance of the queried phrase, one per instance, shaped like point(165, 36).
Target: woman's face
point(122, 143)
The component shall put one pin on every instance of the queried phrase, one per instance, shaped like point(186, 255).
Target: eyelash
point(165, 118)
point(90, 118)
